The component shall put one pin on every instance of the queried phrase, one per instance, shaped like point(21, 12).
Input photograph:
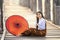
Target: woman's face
point(39, 15)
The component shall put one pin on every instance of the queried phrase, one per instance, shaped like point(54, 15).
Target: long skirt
point(34, 32)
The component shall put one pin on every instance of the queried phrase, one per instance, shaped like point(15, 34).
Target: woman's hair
point(40, 13)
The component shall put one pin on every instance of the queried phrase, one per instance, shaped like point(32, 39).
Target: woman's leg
point(34, 32)
point(41, 33)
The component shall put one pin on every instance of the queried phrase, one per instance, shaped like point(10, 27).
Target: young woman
point(40, 29)
point(41, 24)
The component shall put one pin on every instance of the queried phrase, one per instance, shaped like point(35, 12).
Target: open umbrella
point(16, 25)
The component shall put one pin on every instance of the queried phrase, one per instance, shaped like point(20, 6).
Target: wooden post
point(43, 7)
point(37, 5)
point(51, 10)
point(4, 28)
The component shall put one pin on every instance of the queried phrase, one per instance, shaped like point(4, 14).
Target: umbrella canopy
point(16, 25)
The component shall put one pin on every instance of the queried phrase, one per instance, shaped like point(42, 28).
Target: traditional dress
point(41, 29)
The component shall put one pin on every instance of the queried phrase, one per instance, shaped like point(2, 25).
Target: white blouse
point(41, 24)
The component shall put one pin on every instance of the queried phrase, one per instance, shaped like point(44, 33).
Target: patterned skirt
point(34, 32)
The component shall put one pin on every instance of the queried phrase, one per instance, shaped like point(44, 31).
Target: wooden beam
point(51, 10)
point(4, 28)
point(43, 7)
point(37, 5)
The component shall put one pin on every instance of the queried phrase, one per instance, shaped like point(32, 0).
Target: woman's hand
point(36, 24)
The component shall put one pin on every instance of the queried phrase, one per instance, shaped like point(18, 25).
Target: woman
point(41, 24)
point(40, 29)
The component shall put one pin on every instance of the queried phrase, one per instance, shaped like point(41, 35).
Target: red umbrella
point(16, 25)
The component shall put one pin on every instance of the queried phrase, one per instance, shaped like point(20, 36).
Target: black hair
point(40, 13)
